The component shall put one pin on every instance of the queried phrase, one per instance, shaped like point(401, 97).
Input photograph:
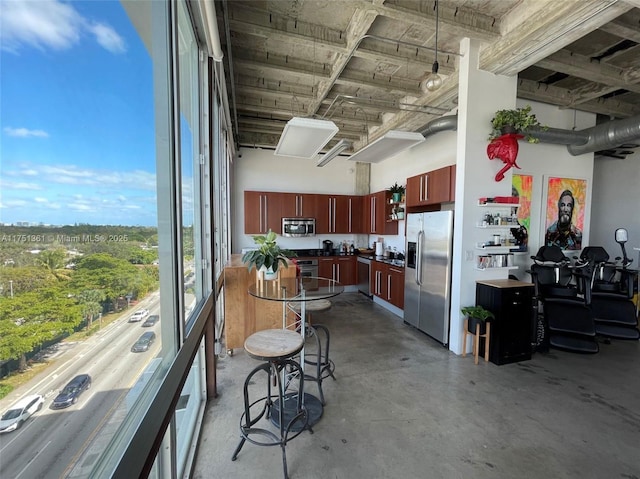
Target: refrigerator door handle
point(419, 258)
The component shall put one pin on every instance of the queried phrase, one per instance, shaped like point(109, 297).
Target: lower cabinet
point(339, 268)
point(387, 282)
point(511, 302)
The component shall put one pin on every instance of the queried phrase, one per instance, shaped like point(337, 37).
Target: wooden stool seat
point(270, 344)
point(476, 340)
point(315, 306)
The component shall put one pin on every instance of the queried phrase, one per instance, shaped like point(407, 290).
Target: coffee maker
point(327, 248)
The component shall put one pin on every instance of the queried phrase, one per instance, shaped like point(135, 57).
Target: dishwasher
point(364, 275)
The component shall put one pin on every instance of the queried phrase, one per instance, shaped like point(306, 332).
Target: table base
point(311, 403)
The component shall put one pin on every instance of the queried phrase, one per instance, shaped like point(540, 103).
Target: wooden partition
point(245, 314)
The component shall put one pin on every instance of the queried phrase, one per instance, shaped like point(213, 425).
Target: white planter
point(267, 273)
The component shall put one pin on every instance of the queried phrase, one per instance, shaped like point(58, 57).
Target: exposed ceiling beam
point(538, 28)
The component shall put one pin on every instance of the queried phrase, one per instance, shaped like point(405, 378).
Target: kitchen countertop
point(380, 259)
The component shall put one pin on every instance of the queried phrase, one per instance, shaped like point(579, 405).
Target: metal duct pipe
point(600, 137)
point(559, 136)
point(609, 135)
point(449, 122)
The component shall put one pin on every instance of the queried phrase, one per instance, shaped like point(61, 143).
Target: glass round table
point(307, 288)
point(298, 291)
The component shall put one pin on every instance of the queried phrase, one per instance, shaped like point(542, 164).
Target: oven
point(308, 272)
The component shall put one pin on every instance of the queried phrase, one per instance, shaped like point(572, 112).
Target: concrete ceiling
point(359, 63)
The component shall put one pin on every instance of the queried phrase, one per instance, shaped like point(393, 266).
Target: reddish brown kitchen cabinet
point(429, 188)
point(346, 270)
point(339, 268)
point(452, 184)
point(325, 267)
point(387, 282)
point(354, 209)
point(375, 218)
point(262, 212)
point(299, 205)
point(395, 286)
point(339, 214)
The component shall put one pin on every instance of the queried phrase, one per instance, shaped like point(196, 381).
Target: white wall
point(616, 199)
point(261, 170)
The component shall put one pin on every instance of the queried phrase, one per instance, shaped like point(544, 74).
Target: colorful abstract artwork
point(522, 187)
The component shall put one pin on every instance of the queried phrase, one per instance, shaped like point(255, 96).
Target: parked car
point(70, 393)
point(151, 320)
point(144, 342)
point(13, 418)
point(139, 315)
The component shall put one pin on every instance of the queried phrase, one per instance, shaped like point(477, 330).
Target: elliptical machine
point(612, 288)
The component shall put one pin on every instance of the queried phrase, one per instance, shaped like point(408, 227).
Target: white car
point(13, 418)
point(139, 315)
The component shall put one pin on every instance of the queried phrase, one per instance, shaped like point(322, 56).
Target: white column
point(480, 95)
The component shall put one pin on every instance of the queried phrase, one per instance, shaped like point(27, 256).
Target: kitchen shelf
point(496, 227)
point(507, 268)
point(497, 249)
point(499, 205)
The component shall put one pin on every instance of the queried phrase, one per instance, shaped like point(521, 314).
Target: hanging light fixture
point(433, 81)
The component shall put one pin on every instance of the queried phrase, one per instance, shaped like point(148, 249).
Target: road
point(49, 443)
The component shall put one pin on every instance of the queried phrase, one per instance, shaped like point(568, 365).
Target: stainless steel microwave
point(298, 227)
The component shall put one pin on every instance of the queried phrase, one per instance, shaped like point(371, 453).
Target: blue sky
point(77, 141)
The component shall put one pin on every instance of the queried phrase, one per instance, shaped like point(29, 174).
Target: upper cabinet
point(262, 212)
point(299, 205)
point(375, 219)
point(431, 188)
point(339, 214)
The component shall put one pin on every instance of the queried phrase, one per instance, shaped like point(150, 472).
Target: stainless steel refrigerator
point(427, 290)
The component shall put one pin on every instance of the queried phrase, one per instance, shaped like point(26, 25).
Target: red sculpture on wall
point(504, 147)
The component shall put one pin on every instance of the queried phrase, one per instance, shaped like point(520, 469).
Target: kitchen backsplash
point(315, 242)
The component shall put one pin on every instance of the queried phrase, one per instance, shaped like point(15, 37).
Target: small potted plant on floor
point(268, 256)
point(396, 192)
point(514, 121)
point(476, 315)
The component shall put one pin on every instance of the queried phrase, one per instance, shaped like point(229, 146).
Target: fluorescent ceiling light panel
point(333, 152)
point(305, 137)
point(392, 143)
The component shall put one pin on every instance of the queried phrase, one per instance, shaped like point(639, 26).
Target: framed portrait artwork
point(564, 212)
point(522, 187)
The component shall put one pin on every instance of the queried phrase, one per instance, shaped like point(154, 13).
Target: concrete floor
point(403, 406)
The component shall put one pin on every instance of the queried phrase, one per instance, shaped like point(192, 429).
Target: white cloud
point(18, 185)
point(108, 38)
point(25, 132)
point(41, 25)
point(50, 25)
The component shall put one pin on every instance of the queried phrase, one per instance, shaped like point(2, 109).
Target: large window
point(106, 218)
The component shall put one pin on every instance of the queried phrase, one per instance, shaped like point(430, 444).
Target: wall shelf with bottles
point(497, 253)
point(395, 211)
point(495, 268)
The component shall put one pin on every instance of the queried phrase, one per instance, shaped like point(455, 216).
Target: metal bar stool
point(276, 346)
point(318, 357)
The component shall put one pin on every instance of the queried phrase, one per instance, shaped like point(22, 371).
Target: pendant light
point(433, 81)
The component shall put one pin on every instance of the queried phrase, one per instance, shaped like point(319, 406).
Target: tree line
point(51, 289)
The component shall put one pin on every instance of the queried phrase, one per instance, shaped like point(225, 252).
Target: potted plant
point(268, 256)
point(514, 121)
point(477, 315)
point(396, 192)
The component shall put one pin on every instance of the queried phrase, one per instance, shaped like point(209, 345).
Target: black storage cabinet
point(511, 302)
